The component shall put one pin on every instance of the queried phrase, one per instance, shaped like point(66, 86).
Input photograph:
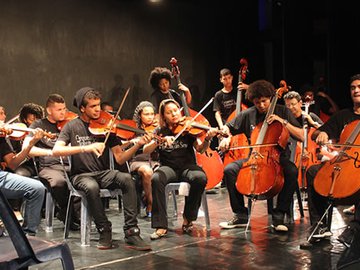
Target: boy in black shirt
point(89, 170)
point(260, 93)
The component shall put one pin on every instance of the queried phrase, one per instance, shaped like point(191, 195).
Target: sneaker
point(350, 210)
point(278, 222)
point(347, 236)
point(105, 240)
point(235, 222)
point(321, 232)
point(133, 240)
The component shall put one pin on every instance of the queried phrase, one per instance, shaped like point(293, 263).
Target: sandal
point(157, 235)
point(187, 228)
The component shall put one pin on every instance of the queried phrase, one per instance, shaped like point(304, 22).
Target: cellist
point(332, 130)
point(294, 103)
point(260, 93)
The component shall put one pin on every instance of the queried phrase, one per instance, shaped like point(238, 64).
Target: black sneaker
point(278, 221)
point(235, 222)
point(347, 236)
point(133, 240)
point(105, 240)
point(321, 232)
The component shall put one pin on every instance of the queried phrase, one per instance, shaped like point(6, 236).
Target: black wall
point(63, 45)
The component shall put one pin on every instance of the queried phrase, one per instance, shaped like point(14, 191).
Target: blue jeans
point(15, 186)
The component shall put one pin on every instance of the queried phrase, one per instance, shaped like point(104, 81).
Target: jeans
point(285, 196)
point(16, 186)
point(92, 182)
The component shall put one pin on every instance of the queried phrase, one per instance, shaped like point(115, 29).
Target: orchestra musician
point(178, 164)
point(50, 168)
point(15, 186)
point(317, 203)
point(160, 81)
point(260, 93)
point(142, 163)
point(90, 171)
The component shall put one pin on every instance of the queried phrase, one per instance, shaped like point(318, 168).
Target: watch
point(285, 122)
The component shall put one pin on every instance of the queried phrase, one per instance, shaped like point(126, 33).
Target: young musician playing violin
point(332, 129)
point(90, 172)
point(142, 163)
point(178, 163)
point(160, 80)
point(49, 167)
point(15, 186)
point(28, 113)
point(260, 93)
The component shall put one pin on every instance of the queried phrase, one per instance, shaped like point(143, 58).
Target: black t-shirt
point(5, 149)
point(180, 154)
point(157, 96)
point(247, 120)
point(76, 132)
point(225, 103)
point(335, 125)
point(313, 116)
point(45, 142)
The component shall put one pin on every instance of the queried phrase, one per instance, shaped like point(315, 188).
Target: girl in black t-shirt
point(178, 164)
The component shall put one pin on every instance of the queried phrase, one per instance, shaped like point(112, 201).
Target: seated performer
point(260, 93)
point(332, 130)
point(89, 170)
point(178, 164)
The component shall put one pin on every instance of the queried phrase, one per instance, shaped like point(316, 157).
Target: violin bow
point(111, 123)
point(193, 119)
point(12, 119)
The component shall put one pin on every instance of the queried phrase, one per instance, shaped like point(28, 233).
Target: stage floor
point(260, 248)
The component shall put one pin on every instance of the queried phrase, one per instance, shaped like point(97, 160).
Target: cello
point(210, 160)
point(239, 139)
point(265, 157)
point(335, 179)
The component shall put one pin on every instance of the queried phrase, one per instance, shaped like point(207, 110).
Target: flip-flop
point(157, 235)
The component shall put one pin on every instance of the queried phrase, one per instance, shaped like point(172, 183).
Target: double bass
point(335, 179)
point(210, 160)
point(239, 139)
point(305, 153)
point(261, 176)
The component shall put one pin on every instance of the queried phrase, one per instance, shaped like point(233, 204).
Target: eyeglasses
point(292, 104)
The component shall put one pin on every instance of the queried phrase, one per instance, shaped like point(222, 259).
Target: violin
point(68, 117)
point(265, 157)
point(155, 123)
point(336, 179)
point(187, 125)
point(18, 131)
point(210, 160)
point(239, 139)
point(125, 129)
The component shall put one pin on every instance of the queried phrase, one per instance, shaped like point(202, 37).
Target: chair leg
point(85, 223)
point(68, 216)
point(49, 212)
point(298, 195)
point(206, 210)
point(175, 203)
